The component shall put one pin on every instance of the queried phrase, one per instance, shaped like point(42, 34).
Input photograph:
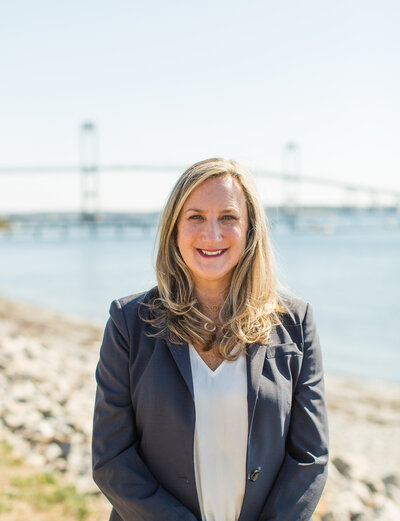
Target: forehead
point(220, 192)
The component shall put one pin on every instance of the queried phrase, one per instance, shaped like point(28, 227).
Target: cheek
point(184, 236)
point(178, 237)
point(239, 235)
point(180, 243)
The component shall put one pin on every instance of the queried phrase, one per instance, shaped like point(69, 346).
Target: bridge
point(89, 169)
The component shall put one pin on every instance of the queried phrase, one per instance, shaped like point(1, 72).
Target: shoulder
point(125, 311)
point(295, 308)
point(129, 305)
point(300, 317)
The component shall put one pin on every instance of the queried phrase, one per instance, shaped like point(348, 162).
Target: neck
point(207, 297)
point(210, 301)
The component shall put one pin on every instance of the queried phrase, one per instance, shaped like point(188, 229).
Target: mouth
point(211, 253)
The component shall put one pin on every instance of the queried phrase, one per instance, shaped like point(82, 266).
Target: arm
point(118, 469)
point(302, 476)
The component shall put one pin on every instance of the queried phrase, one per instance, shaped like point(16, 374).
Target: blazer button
point(254, 474)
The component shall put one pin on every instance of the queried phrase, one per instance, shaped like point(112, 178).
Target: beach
point(47, 386)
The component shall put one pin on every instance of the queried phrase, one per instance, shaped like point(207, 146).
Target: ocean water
point(350, 276)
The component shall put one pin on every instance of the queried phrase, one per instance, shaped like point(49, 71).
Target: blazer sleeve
point(118, 470)
point(302, 476)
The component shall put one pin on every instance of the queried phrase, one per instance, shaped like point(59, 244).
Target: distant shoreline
point(152, 215)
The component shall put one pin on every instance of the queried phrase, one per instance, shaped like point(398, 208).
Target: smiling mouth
point(211, 253)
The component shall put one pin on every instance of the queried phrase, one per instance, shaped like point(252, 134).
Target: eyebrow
point(199, 210)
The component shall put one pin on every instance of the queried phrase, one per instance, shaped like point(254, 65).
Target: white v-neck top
point(220, 441)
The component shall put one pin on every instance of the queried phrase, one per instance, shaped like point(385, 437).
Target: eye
point(196, 217)
point(229, 217)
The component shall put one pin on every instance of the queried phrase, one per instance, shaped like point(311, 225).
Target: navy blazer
point(144, 421)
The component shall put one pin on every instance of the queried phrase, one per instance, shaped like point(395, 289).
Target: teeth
point(211, 252)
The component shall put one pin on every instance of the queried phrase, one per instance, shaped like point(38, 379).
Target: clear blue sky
point(179, 81)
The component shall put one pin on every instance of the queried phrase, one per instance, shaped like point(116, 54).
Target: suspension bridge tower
point(89, 171)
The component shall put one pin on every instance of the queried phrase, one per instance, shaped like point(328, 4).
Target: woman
point(210, 400)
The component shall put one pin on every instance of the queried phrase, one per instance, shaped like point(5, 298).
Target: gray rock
point(342, 466)
point(392, 479)
point(362, 517)
point(375, 485)
point(393, 491)
point(329, 516)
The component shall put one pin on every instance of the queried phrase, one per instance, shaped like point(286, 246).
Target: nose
point(211, 231)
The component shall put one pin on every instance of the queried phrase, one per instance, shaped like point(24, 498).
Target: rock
point(21, 417)
point(53, 451)
point(375, 485)
point(58, 465)
point(342, 466)
point(35, 459)
point(392, 479)
point(75, 460)
point(376, 501)
point(393, 492)
point(361, 490)
point(388, 512)
point(65, 449)
point(347, 504)
point(329, 516)
point(85, 485)
point(46, 429)
point(23, 391)
point(361, 517)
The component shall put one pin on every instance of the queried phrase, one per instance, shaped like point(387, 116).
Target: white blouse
point(220, 441)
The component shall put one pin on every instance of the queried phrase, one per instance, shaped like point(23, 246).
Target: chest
point(210, 358)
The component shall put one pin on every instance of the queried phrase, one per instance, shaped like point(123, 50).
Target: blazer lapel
point(180, 353)
point(255, 363)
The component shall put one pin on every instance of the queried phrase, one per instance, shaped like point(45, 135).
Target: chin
point(205, 278)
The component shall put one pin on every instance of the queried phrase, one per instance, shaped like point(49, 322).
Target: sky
point(179, 81)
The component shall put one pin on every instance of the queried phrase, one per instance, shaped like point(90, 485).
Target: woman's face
point(212, 229)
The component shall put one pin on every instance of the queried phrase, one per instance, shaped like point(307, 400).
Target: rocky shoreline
point(47, 363)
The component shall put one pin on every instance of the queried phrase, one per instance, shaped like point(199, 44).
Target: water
point(351, 277)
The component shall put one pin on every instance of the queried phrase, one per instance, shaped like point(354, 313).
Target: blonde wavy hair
point(251, 306)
